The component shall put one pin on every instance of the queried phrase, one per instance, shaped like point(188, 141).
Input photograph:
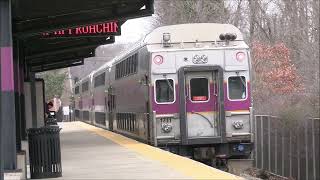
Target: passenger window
point(237, 87)
point(164, 91)
point(199, 89)
point(99, 80)
point(85, 86)
point(76, 91)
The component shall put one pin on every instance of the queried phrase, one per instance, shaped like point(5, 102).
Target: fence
point(287, 148)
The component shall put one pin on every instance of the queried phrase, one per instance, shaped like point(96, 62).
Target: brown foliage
point(274, 68)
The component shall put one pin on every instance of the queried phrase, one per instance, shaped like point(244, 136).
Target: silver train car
point(186, 89)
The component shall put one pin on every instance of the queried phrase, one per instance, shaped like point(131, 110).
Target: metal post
point(17, 94)
point(22, 100)
point(33, 99)
point(7, 116)
point(313, 149)
point(256, 140)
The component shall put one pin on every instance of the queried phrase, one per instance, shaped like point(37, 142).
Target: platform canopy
point(61, 33)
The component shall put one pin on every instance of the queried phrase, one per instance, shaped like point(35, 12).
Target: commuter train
point(185, 88)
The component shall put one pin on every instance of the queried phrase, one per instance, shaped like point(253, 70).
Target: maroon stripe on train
point(7, 81)
point(236, 105)
point(165, 108)
point(200, 107)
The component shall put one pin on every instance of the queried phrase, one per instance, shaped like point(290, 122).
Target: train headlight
point(166, 38)
point(166, 128)
point(237, 124)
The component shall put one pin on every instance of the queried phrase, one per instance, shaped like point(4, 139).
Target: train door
point(200, 107)
point(200, 104)
point(111, 106)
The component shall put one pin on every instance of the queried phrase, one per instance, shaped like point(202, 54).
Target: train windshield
point(237, 87)
point(199, 90)
point(164, 91)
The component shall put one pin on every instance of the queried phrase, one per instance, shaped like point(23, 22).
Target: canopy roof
point(33, 18)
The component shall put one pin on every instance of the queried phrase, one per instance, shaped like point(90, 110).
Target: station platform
point(89, 152)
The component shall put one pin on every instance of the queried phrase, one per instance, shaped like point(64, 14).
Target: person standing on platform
point(57, 106)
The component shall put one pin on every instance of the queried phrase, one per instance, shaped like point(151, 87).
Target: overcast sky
point(134, 29)
point(131, 31)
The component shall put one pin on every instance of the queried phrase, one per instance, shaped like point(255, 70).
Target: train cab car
point(200, 89)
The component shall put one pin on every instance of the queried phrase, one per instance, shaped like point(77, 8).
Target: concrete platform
point(89, 152)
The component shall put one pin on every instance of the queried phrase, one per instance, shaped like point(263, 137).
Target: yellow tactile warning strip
point(191, 168)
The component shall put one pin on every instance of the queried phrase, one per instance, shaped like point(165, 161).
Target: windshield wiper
point(169, 84)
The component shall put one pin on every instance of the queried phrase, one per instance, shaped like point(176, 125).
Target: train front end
point(200, 91)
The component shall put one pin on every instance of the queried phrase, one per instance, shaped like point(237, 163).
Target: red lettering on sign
point(85, 30)
point(92, 29)
point(99, 28)
point(115, 26)
point(78, 30)
point(107, 28)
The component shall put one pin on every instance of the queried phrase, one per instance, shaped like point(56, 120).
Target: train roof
point(192, 32)
point(103, 67)
point(126, 52)
point(87, 77)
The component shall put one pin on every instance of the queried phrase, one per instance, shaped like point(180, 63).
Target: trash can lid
point(46, 129)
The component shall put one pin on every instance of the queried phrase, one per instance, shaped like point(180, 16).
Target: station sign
point(99, 29)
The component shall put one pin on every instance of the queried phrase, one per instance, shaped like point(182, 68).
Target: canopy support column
point(7, 113)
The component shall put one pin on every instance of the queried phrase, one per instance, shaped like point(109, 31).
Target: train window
point(199, 89)
point(126, 121)
point(135, 63)
point(127, 67)
point(121, 69)
point(100, 80)
point(77, 90)
point(237, 87)
point(130, 65)
point(117, 72)
point(111, 102)
point(85, 86)
point(164, 91)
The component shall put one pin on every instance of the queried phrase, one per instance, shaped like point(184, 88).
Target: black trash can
point(45, 152)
